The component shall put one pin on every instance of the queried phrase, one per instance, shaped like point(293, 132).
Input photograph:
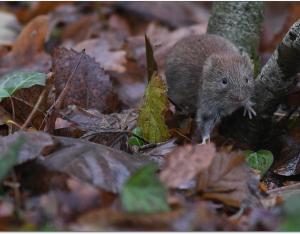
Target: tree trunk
point(240, 23)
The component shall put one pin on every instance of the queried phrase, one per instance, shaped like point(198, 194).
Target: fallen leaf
point(144, 193)
point(9, 158)
point(200, 216)
point(174, 15)
point(226, 179)
point(151, 63)
point(63, 204)
point(9, 27)
point(151, 114)
point(32, 38)
point(97, 164)
point(18, 80)
point(185, 162)
point(111, 59)
point(90, 86)
point(260, 160)
point(82, 29)
point(36, 144)
point(111, 129)
point(292, 211)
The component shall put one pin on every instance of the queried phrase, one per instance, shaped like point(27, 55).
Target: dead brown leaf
point(197, 217)
point(28, 50)
point(226, 179)
point(111, 129)
point(100, 49)
point(36, 144)
point(82, 29)
point(90, 87)
point(97, 164)
point(185, 162)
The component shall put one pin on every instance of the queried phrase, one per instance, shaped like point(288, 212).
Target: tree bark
point(239, 22)
point(274, 80)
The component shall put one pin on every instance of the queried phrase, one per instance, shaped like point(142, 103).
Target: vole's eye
point(247, 80)
point(224, 81)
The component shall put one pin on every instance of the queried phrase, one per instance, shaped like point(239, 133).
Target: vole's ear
point(247, 59)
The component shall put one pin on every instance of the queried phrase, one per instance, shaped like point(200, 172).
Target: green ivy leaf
point(291, 215)
point(133, 140)
point(143, 192)
point(9, 159)
point(260, 160)
point(18, 80)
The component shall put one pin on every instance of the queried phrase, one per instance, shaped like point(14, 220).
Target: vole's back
point(184, 67)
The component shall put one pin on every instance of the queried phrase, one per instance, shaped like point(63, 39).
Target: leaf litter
point(87, 174)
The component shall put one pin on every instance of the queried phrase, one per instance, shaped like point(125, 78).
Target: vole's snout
point(238, 97)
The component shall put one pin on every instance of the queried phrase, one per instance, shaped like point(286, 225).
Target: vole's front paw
point(249, 110)
point(204, 139)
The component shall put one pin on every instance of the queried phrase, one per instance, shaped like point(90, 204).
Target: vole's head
point(228, 78)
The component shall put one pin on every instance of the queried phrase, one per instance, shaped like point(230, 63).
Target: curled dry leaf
point(94, 121)
point(185, 162)
point(90, 86)
point(227, 179)
point(111, 129)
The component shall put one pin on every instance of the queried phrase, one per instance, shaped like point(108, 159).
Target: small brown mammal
point(207, 76)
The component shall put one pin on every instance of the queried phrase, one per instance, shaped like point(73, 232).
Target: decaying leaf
point(9, 27)
point(61, 204)
point(94, 121)
point(100, 49)
point(32, 38)
point(36, 144)
point(185, 162)
point(97, 164)
point(9, 158)
point(226, 179)
point(151, 114)
point(90, 86)
point(111, 129)
point(151, 63)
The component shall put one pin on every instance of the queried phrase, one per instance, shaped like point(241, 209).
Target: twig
point(56, 105)
point(34, 110)
point(12, 108)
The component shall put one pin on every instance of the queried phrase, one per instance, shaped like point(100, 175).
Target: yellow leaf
point(152, 113)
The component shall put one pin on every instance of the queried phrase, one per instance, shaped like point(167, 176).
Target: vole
point(208, 76)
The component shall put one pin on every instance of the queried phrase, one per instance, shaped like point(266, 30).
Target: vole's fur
point(207, 76)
